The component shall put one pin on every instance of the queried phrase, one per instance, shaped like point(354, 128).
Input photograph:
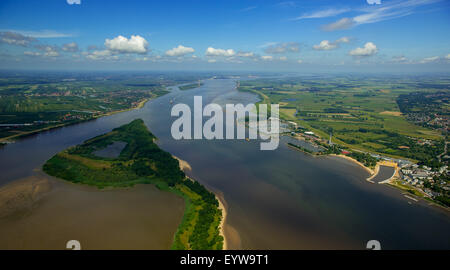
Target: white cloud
point(400, 59)
point(374, 2)
point(343, 40)
point(321, 14)
point(99, 55)
point(368, 50)
point(42, 34)
point(180, 51)
point(429, 59)
point(51, 54)
point(447, 56)
point(13, 38)
point(212, 60)
point(326, 45)
point(48, 51)
point(283, 58)
point(233, 60)
point(245, 54)
point(342, 24)
point(285, 47)
point(378, 13)
point(72, 2)
point(29, 53)
point(70, 47)
point(121, 44)
point(299, 61)
point(267, 57)
point(219, 52)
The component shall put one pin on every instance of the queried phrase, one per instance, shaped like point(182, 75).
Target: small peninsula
point(133, 158)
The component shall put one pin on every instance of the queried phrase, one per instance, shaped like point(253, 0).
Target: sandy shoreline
point(222, 221)
point(184, 165)
point(354, 161)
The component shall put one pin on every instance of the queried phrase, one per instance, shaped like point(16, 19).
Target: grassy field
point(141, 161)
point(362, 113)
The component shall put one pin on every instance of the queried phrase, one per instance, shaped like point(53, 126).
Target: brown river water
point(280, 199)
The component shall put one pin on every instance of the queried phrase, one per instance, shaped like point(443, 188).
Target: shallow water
point(142, 217)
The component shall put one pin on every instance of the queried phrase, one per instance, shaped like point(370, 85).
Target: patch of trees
point(335, 110)
point(364, 158)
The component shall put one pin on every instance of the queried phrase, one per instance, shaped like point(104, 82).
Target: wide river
point(280, 199)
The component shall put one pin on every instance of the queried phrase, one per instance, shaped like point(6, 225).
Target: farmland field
point(360, 113)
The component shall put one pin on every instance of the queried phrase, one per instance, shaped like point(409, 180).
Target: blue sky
point(308, 35)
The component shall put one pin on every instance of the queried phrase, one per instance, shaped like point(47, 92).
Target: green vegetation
point(361, 112)
point(364, 158)
point(143, 162)
point(34, 102)
point(190, 86)
point(438, 185)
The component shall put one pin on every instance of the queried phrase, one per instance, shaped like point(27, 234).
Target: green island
point(190, 86)
point(141, 161)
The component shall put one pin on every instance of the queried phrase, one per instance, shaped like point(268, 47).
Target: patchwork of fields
point(361, 113)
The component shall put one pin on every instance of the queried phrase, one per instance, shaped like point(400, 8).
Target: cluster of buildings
point(417, 176)
point(435, 121)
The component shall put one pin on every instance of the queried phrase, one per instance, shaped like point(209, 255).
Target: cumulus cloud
point(447, 56)
point(70, 47)
point(299, 61)
point(219, 52)
point(179, 51)
point(342, 24)
point(13, 38)
point(285, 47)
point(48, 50)
point(121, 44)
point(74, 2)
point(326, 45)
point(374, 2)
point(368, 50)
point(282, 58)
